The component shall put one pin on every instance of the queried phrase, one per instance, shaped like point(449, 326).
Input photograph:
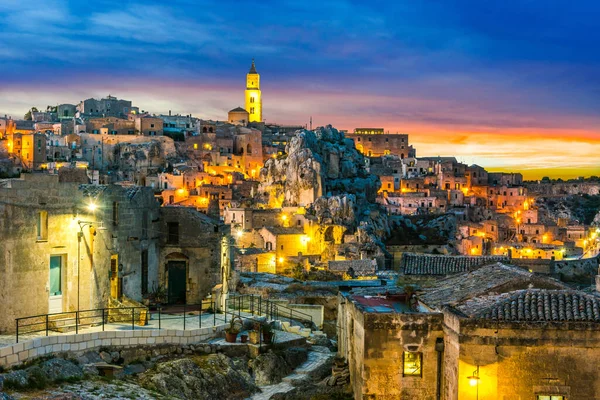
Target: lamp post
point(82, 224)
point(474, 381)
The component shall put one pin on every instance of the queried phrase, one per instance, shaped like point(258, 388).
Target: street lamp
point(81, 224)
point(91, 206)
point(474, 381)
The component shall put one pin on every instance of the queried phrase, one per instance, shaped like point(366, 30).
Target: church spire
point(253, 68)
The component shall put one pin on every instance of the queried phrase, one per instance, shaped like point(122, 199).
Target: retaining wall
point(19, 353)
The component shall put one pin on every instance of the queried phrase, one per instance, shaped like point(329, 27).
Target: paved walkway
point(167, 321)
point(316, 359)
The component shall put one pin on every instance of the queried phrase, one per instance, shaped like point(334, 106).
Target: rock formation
point(323, 172)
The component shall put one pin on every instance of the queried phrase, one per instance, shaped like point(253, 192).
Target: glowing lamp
point(474, 379)
point(239, 233)
point(284, 217)
point(281, 260)
point(92, 206)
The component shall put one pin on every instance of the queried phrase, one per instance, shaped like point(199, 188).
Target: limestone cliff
point(317, 164)
point(323, 172)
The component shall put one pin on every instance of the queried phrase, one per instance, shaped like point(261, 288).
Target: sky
point(508, 85)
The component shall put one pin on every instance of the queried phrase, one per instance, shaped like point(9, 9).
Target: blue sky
point(440, 70)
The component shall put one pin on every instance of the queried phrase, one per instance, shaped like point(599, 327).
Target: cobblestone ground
point(316, 359)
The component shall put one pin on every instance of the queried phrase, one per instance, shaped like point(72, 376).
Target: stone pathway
point(317, 358)
point(166, 322)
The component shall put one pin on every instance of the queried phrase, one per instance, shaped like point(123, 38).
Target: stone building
point(495, 333)
point(238, 116)
point(391, 349)
point(191, 257)
point(110, 126)
point(46, 224)
point(148, 126)
point(252, 218)
point(375, 143)
point(28, 148)
point(106, 107)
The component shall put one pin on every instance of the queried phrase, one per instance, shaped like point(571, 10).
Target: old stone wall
point(387, 337)
point(40, 220)
point(374, 343)
point(198, 244)
point(576, 270)
point(520, 360)
point(74, 345)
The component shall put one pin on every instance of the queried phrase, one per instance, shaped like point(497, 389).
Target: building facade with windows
point(493, 332)
point(191, 256)
point(68, 246)
point(373, 142)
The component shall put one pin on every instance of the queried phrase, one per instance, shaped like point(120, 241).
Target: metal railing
point(188, 311)
point(256, 305)
point(67, 321)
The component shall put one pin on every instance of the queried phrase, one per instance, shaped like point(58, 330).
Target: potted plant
point(244, 338)
point(255, 334)
point(156, 297)
point(231, 332)
point(267, 332)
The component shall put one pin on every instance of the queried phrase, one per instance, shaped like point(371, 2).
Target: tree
point(28, 116)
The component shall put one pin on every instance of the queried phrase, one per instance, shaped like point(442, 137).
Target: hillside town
point(384, 273)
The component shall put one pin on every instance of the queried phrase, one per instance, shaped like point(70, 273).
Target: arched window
point(249, 149)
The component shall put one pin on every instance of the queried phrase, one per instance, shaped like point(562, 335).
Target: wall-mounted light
point(474, 381)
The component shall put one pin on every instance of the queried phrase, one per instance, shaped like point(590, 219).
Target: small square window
point(411, 363)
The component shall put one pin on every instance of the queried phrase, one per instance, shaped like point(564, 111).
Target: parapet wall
point(19, 353)
point(576, 270)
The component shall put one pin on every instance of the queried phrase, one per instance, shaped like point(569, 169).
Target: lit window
point(195, 146)
point(412, 363)
point(549, 397)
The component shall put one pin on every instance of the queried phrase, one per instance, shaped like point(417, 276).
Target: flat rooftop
point(392, 303)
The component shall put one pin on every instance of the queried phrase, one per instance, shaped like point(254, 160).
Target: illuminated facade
point(253, 95)
point(511, 335)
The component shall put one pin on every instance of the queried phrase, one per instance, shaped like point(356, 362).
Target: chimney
point(169, 113)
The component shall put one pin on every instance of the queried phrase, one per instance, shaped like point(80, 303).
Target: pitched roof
point(238, 109)
point(433, 264)
point(494, 278)
point(535, 305)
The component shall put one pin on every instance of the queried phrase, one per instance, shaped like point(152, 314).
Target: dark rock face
point(203, 378)
point(59, 370)
point(55, 370)
point(269, 369)
point(294, 356)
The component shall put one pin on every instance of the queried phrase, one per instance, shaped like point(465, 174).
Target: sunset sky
point(509, 85)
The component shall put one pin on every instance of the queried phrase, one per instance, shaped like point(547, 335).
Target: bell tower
point(253, 95)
